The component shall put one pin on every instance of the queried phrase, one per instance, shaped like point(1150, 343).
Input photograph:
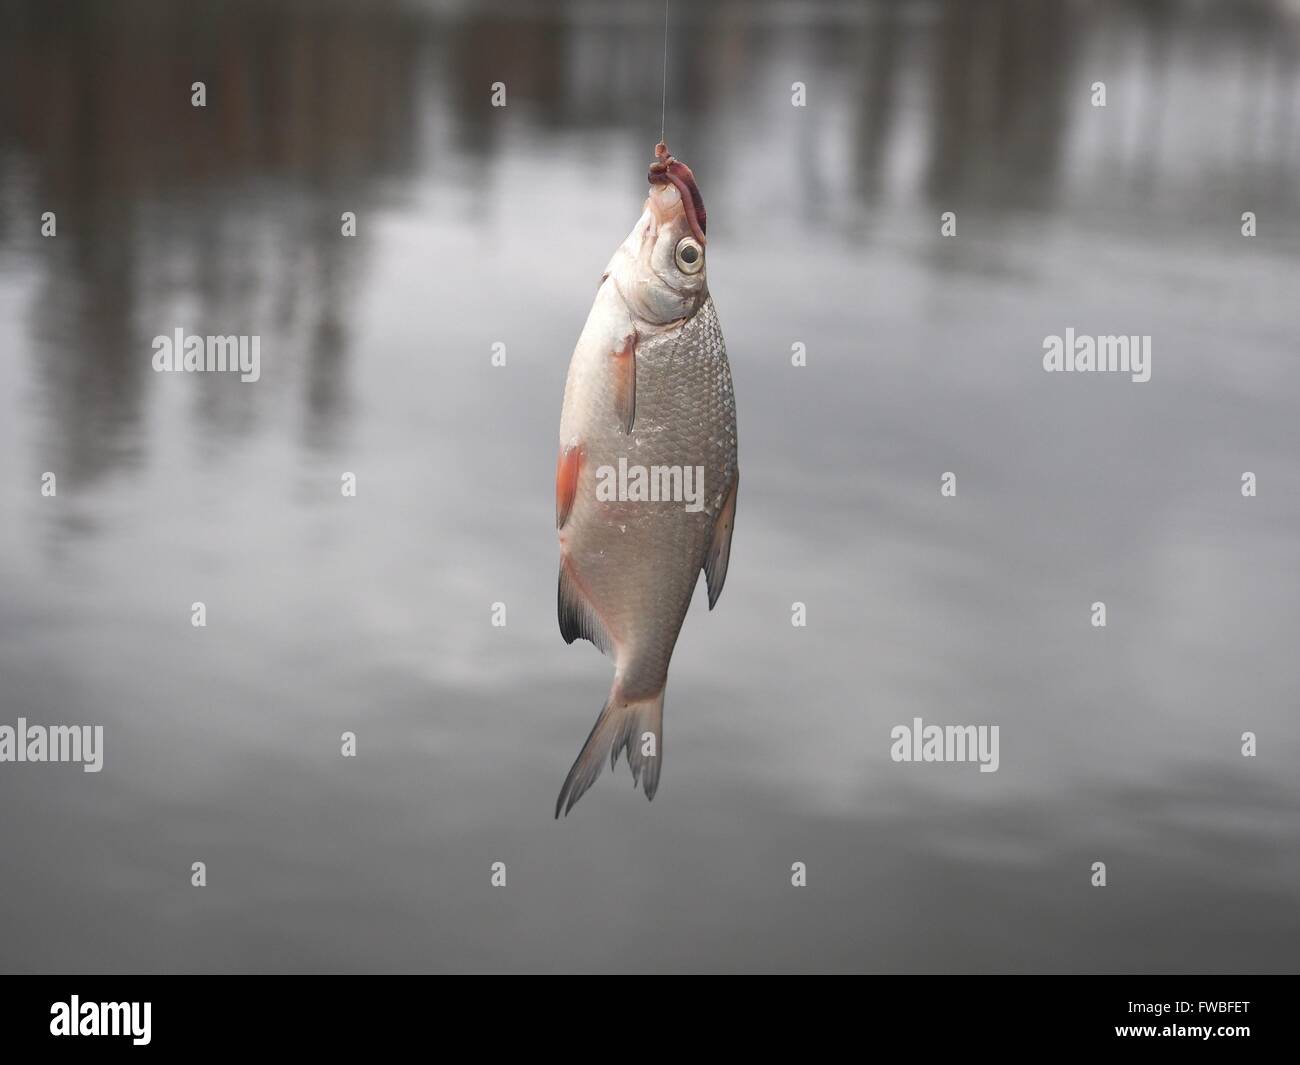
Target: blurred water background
point(481, 225)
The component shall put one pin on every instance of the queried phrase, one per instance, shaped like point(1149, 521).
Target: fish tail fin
point(634, 726)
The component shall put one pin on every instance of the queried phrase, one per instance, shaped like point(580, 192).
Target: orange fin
point(715, 562)
point(624, 361)
point(566, 482)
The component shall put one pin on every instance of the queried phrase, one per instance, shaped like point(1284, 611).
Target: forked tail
point(634, 726)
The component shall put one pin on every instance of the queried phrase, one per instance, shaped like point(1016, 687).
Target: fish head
point(660, 268)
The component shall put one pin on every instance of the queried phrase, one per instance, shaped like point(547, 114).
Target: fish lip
point(666, 170)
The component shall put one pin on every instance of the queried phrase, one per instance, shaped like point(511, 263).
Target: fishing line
point(663, 106)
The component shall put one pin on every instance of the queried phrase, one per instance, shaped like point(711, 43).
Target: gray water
point(481, 225)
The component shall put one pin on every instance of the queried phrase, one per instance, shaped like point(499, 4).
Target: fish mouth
point(666, 170)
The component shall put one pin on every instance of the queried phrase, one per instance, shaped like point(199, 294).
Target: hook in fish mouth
point(666, 170)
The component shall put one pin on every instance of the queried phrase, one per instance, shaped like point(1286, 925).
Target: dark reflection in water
point(1002, 86)
point(480, 226)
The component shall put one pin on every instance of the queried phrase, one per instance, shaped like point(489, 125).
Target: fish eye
point(689, 255)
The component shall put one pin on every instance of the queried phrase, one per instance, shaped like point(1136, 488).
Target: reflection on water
point(479, 225)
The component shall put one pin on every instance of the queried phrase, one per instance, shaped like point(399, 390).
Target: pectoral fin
point(624, 372)
point(715, 562)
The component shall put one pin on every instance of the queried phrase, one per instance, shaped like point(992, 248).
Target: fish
point(647, 474)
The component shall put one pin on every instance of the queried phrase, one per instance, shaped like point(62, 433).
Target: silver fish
point(645, 486)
